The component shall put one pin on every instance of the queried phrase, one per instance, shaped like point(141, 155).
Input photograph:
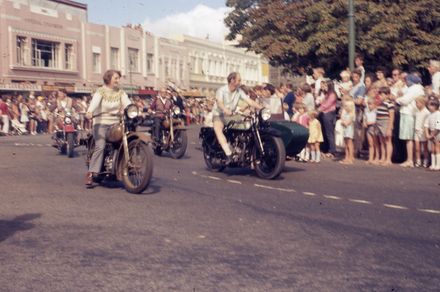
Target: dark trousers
point(156, 128)
point(329, 121)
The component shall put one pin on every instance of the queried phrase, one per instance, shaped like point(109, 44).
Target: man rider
point(159, 105)
point(227, 99)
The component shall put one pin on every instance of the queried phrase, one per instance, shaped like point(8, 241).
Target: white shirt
point(421, 116)
point(432, 122)
point(230, 99)
point(274, 104)
point(436, 82)
point(370, 115)
point(408, 100)
point(107, 102)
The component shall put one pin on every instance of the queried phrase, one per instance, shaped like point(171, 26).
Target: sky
point(167, 18)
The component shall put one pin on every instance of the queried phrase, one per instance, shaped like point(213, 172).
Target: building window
point(45, 54)
point(167, 68)
point(96, 63)
point(114, 58)
point(69, 57)
point(193, 64)
point(133, 58)
point(150, 63)
point(21, 51)
point(181, 71)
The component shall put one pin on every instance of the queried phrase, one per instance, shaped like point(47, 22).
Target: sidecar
point(294, 136)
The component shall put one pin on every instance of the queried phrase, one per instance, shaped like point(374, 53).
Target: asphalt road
point(326, 227)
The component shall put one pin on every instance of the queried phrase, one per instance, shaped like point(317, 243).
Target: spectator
point(4, 115)
point(399, 85)
point(328, 110)
point(370, 119)
point(289, 100)
point(407, 112)
point(315, 137)
point(301, 117)
point(432, 130)
point(308, 99)
point(420, 141)
point(381, 77)
point(273, 102)
point(359, 62)
point(345, 85)
point(347, 121)
point(385, 125)
point(434, 69)
point(318, 76)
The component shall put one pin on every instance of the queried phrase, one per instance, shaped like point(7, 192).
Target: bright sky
point(163, 17)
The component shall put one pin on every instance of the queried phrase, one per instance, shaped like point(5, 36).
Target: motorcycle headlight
point(265, 114)
point(176, 111)
point(132, 111)
point(67, 120)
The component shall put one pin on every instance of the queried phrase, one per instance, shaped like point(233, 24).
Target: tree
point(295, 33)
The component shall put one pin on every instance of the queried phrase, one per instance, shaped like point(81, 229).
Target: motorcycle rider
point(160, 104)
point(107, 102)
point(64, 105)
point(227, 99)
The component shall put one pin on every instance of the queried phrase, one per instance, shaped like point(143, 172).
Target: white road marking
point(429, 211)
point(234, 181)
point(214, 178)
point(360, 201)
point(274, 188)
point(194, 172)
point(201, 236)
point(332, 197)
point(309, 194)
point(395, 207)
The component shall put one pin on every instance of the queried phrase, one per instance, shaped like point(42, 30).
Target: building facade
point(49, 44)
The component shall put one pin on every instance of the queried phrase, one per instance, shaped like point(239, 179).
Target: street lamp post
point(351, 36)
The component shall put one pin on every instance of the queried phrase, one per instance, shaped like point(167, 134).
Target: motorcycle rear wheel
point(70, 146)
point(137, 176)
point(209, 160)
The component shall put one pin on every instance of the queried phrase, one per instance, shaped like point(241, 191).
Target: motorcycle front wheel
point(178, 149)
point(271, 164)
point(70, 145)
point(136, 177)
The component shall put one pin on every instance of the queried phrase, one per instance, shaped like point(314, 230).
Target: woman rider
point(108, 101)
point(227, 98)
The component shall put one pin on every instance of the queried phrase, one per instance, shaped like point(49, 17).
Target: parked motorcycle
point(253, 143)
point(66, 136)
point(127, 154)
point(173, 137)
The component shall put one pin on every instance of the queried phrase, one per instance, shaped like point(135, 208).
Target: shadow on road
point(20, 223)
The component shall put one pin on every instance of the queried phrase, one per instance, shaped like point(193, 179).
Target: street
point(318, 227)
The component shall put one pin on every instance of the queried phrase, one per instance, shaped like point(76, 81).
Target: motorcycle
point(66, 137)
point(254, 143)
point(127, 154)
point(173, 136)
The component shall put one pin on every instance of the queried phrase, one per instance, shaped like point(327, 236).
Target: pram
point(18, 128)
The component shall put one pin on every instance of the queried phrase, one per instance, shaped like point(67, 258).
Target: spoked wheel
point(136, 177)
point(178, 148)
point(212, 163)
point(271, 164)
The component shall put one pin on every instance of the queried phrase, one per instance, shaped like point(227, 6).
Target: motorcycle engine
point(108, 160)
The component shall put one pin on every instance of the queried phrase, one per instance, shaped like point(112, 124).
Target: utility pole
point(351, 34)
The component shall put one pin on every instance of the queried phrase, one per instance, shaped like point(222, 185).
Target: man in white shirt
point(227, 98)
point(434, 69)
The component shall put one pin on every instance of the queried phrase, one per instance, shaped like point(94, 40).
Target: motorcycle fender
point(271, 132)
point(144, 137)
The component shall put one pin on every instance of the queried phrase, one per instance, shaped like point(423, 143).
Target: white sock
point(313, 155)
point(302, 154)
point(318, 156)
point(433, 160)
point(438, 161)
point(307, 153)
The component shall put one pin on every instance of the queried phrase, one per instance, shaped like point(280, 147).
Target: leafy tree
point(295, 33)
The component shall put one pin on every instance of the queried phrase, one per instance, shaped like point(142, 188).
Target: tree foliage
point(403, 33)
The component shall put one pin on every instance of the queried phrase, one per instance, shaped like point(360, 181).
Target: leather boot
point(89, 179)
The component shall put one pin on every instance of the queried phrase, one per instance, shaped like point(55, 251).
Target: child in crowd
point(421, 144)
point(432, 131)
point(347, 120)
point(345, 85)
point(385, 124)
point(315, 137)
point(301, 117)
point(370, 124)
